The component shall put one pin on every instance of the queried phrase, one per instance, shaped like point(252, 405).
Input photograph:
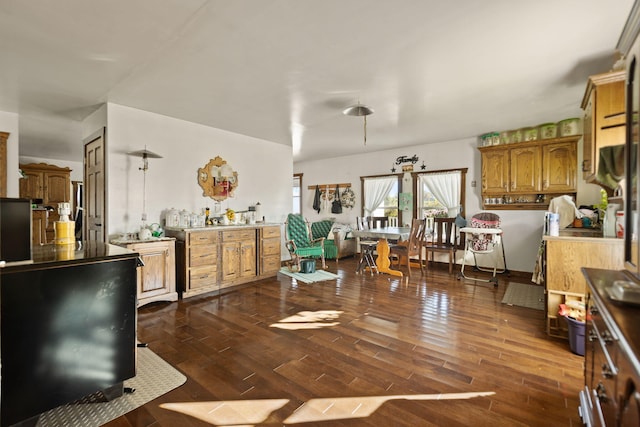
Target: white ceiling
point(283, 70)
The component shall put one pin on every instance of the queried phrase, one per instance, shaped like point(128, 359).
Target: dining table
point(383, 235)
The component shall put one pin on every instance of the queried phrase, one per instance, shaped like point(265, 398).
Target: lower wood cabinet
point(269, 250)
point(565, 256)
point(157, 278)
point(238, 255)
point(214, 258)
point(39, 224)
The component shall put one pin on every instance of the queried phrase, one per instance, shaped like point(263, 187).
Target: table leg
point(383, 262)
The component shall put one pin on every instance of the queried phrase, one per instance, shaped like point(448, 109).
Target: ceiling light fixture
point(359, 110)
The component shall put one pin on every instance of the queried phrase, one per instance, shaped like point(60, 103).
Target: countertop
point(224, 227)
point(124, 242)
point(77, 253)
point(581, 234)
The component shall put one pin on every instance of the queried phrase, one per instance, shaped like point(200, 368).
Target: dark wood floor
point(433, 335)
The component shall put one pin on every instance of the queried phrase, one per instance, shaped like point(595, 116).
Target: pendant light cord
point(365, 130)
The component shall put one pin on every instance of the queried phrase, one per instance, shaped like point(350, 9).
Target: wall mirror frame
point(217, 179)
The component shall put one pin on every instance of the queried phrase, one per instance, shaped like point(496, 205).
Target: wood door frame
point(100, 133)
point(4, 137)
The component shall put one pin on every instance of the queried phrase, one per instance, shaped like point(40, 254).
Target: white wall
point(522, 229)
point(9, 123)
point(264, 168)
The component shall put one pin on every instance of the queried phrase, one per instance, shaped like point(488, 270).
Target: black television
point(15, 229)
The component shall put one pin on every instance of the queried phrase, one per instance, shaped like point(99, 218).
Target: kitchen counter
point(224, 227)
point(124, 242)
point(581, 233)
point(565, 256)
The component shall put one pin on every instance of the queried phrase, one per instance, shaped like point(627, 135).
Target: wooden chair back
point(443, 238)
point(378, 221)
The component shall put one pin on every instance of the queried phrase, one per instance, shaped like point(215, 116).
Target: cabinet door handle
point(545, 184)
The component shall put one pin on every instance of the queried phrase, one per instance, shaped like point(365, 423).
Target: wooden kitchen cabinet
point(559, 165)
point(39, 223)
point(604, 118)
point(528, 175)
point(269, 250)
point(50, 183)
point(564, 281)
point(238, 255)
point(157, 278)
point(525, 169)
point(216, 258)
point(197, 265)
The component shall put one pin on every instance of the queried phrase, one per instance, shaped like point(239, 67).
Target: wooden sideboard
point(565, 256)
point(215, 258)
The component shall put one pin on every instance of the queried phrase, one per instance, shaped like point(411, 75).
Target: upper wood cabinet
point(604, 118)
point(559, 164)
point(527, 175)
point(525, 169)
point(50, 183)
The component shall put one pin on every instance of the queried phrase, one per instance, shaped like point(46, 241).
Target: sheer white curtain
point(375, 191)
point(445, 187)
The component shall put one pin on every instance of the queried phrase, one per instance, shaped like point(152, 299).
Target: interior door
point(95, 188)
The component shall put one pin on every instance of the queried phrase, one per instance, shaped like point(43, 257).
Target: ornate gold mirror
point(217, 179)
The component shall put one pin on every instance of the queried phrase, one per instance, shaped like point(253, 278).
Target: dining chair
point(409, 248)
point(378, 221)
point(367, 247)
point(441, 239)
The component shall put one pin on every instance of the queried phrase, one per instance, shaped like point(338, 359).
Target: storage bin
point(569, 127)
point(576, 335)
point(548, 130)
point(308, 266)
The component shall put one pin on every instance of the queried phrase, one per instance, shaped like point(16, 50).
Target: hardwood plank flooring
point(433, 335)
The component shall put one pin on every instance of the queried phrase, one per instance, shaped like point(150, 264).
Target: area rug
point(154, 377)
point(317, 276)
point(523, 295)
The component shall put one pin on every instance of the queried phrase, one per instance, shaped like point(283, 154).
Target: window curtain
point(445, 186)
point(375, 191)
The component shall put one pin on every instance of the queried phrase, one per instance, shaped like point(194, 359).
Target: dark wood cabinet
point(51, 184)
point(612, 345)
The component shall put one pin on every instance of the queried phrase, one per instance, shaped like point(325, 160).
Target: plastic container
point(576, 335)
point(569, 127)
point(308, 266)
point(530, 133)
point(548, 130)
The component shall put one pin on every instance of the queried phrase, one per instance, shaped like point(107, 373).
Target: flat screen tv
point(15, 229)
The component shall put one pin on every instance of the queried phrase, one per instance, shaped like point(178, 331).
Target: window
point(297, 194)
point(380, 195)
point(441, 193)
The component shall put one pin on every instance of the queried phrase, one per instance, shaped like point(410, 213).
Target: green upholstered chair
point(299, 242)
